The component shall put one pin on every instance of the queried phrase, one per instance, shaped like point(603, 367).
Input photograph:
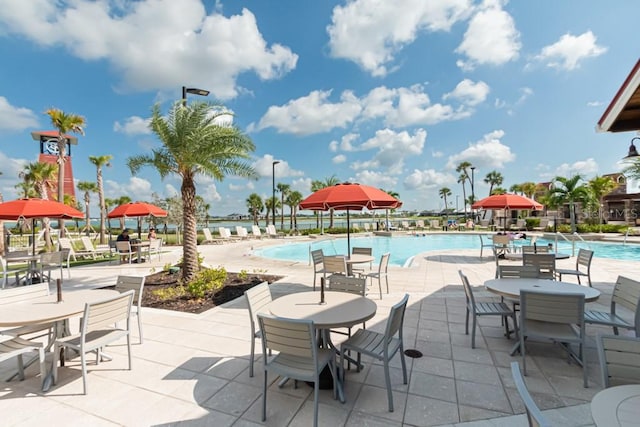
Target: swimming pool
point(403, 249)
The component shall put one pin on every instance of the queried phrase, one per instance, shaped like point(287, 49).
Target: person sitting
point(469, 225)
point(152, 234)
point(124, 236)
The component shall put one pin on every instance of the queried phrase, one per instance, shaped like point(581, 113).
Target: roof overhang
point(623, 113)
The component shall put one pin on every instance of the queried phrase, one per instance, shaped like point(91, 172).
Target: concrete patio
point(193, 369)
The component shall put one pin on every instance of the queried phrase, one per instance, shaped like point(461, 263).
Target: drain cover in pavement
point(413, 353)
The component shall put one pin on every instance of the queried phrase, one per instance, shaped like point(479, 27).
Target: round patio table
point(518, 255)
point(357, 259)
point(619, 406)
point(511, 288)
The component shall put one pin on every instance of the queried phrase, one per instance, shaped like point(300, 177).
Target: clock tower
point(49, 154)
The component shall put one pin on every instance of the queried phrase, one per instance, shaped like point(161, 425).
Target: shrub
point(243, 274)
point(169, 293)
point(208, 280)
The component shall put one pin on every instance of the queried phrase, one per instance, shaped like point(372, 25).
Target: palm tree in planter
point(88, 188)
point(195, 139)
point(99, 162)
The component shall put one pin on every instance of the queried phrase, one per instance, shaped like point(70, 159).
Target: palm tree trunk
point(62, 151)
point(102, 206)
point(189, 242)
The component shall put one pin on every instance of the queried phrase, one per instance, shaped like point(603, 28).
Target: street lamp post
point(194, 91)
point(457, 196)
point(273, 191)
point(473, 192)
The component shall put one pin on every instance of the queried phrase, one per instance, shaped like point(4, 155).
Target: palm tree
point(193, 143)
point(272, 204)
point(64, 123)
point(122, 200)
point(284, 190)
point(600, 186)
point(315, 186)
point(293, 200)
point(494, 179)
point(392, 194)
point(99, 162)
point(516, 188)
point(528, 189)
point(445, 192)
point(571, 191)
point(88, 188)
point(255, 206)
point(464, 167)
point(39, 176)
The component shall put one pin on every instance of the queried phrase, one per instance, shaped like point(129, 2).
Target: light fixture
point(194, 91)
point(633, 151)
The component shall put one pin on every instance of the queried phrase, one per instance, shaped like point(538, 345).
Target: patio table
point(43, 310)
point(139, 246)
point(619, 406)
point(357, 259)
point(517, 256)
point(340, 310)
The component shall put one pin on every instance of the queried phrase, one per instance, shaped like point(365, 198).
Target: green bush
point(211, 279)
point(169, 293)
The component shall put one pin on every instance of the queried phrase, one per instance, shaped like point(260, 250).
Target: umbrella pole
point(33, 236)
point(348, 235)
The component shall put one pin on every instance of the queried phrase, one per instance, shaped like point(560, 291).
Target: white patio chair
point(51, 261)
point(383, 271)
point(317, 258)
point(381, 347)
point(619, 359)
point(626, 293)
point(90, 248)
point(155, 248)
point(544, 263)
point(18, 347)
point(255, 230)
point(242, 232)
point(478, 309)
point(135, 284)
point(298, 355)
point(125, 251)
point(361, 251)
point(6, 273)
point(257, 298)
point(334, 264)
point(208, 237)
point(97, 330)
point(484, 244)
point(534, 415)
point(583, 259)
point(557, 317)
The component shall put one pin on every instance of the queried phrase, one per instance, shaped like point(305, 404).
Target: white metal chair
point(135, 284)
point(583, 259)
point(534, 415)
point(90, 248)
point(619, 359)
point(555, 316)
point(627, 294)
point(125, 251)
point(257, 234)
point(257, 298)
point(478, 309)
point(335, 264)
point(383, 271)
point(155, 248)
point(361, 251)
point(51, 261)
point(534, 249)
point(6, 273)
point(317, 258)
point(97, 330)
point(544, 263)
point(381, 347)
point(484, 244)
point(17, 347)
point(298, 355)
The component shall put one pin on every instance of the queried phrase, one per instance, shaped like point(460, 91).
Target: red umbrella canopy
point(137, 209)
point(37, 208)
point(349, 196)
point(507, 201)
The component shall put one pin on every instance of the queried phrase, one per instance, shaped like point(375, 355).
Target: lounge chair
point(90, 248)
point(225, 235)
point(65, 244)
point(257, 234)
point(273, 233)
point(208, 238)
point(242, 232)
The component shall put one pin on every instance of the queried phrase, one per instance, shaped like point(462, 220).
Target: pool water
point(403, 249)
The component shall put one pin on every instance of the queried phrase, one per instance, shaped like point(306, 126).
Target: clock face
point(50, 147)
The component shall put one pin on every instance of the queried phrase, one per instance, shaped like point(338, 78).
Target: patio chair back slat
point(24, 293)
point(286, 336)
point(619, 359)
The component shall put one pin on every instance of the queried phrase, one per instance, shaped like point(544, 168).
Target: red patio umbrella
point(137, 209)
point(36, 208)
point(349, 196)
point(506, 202)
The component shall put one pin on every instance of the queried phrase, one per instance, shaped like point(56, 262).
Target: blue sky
point(389, 94)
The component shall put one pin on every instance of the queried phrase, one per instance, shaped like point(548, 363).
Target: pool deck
point(193, 369)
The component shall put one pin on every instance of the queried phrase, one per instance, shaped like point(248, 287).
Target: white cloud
point(159, 44)
point(133, 125)
point(375, 179)
point(428, 179)
point(302, 185)
point(264, 167)
point(340, 158)
point(488, 153)
point(490, 39)
point(400, 107)
point(586, 168)
point(14, 118)
point(137, 188)
point(569, 51)
point(595, 104)
point(312, 114)
point(469, 92)
point(391, 149)
point(371, 32)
